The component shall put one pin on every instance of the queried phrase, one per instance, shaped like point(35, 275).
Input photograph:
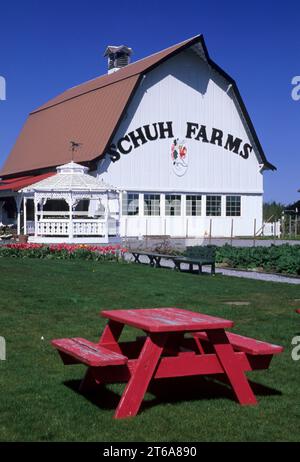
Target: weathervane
point(74, 147)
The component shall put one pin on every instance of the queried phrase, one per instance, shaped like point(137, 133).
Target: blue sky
point(49, 46)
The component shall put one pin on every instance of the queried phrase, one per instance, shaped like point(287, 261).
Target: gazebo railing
point(89, 227)
point(53, 227)
point(86, 227)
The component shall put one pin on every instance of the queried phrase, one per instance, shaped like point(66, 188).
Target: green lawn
point(51, 299)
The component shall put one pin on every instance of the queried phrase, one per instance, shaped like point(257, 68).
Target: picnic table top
point(153, 254)
point(184, 258)
point(191, 259)
point(167, 320)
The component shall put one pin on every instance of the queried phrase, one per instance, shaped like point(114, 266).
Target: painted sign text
point(163, 130)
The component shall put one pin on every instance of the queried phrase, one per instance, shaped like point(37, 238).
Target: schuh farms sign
point(163, 130)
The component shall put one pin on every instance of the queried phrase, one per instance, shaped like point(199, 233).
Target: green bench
point(198, 257)
point(198, 262)
point(154, 258)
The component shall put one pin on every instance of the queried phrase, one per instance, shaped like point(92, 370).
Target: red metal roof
point(15, 184)
point(88, 113)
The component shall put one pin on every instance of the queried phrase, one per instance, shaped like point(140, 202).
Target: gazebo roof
point(71, 177)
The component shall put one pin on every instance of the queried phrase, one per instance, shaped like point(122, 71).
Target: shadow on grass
point(173, 390)
point(205, 272)
point(102, 397)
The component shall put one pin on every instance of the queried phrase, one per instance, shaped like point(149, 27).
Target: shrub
point(280, 259)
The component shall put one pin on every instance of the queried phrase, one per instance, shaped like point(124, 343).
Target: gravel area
point(258, 276)
point(228, 272)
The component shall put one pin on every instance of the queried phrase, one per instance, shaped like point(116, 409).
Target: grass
point(42, 300)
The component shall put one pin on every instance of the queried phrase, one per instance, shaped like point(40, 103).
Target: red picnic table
point(166, 352)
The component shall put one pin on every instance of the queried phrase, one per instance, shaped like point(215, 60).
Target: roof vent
point(118, 57)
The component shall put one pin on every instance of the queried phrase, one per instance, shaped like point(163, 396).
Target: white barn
point(171, 132)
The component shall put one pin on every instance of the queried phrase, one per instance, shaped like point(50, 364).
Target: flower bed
point(63, 251)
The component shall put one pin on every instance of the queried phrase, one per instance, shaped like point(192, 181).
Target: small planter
point(23, 238)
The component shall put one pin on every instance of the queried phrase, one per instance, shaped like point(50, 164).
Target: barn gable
point(186, 100)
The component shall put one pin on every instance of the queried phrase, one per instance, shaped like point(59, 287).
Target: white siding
point(191, 226)
point(184, 89)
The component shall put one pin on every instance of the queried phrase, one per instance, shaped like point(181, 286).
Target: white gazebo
point(72, 206)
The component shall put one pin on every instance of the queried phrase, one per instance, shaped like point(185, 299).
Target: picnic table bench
point(199, 262)
point(259, 354)
point(154, 258)
point(88, 353)
point(165, 352)
point(205, 256)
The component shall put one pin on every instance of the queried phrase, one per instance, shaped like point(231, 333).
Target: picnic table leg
point(176, 265)
point(152, 263)
point(136, 257)
point(200, 269)
point(111, 335)
point(157, 262)
point(213, 268)
point(232, 369)
point(88, 383)
point(145, 368)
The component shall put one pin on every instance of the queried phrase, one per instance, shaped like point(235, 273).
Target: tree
point(273, 210)
point(294, 206)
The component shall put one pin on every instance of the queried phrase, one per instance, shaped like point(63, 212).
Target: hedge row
point(63, 251)
point(276, 259)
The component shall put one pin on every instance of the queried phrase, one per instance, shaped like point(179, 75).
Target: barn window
point(213, 206)
point(130, 204)
point(193, 205)
point(152, 204)
point(173, 205)
point(233, 206)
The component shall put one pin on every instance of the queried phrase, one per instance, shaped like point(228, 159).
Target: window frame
point(153, 206)
point(217, 204)
point(197, 206)
point(228, 207)
point(126, 200)
point(176, 207)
